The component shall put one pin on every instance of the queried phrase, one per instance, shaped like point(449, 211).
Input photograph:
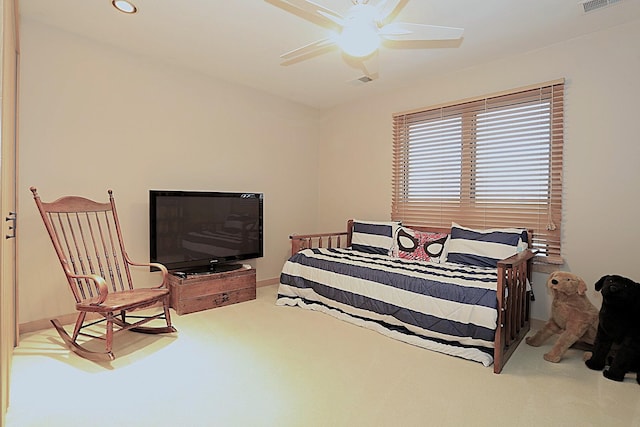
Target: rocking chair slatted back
point(87, 238)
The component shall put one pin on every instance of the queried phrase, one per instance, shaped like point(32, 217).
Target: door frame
point(9, 63)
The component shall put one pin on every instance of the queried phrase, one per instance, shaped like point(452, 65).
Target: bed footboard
point(513, 306)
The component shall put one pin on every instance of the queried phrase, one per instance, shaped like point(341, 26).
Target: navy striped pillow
point(373, 237)
point(483, 248)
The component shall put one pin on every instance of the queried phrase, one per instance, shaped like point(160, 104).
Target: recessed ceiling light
point(124, 6)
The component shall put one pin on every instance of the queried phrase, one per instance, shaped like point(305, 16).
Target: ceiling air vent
point(591, 5)
point(363, 80)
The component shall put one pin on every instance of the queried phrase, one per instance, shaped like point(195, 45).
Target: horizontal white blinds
point(489, 162)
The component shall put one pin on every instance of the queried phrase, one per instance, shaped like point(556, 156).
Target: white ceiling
point(241, 40)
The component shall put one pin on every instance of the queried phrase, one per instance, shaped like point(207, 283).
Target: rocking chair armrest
point(161, 267)
point(99, 281)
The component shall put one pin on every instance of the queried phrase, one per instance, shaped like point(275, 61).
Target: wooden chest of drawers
point(204, 291)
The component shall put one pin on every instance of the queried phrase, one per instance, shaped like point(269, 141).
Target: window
point(489, 162)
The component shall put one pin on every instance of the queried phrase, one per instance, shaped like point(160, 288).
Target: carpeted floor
point(256, 364)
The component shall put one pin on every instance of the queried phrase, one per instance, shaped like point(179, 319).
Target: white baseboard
point(268, 282)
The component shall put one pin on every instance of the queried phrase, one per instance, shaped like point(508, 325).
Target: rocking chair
point(87, 238)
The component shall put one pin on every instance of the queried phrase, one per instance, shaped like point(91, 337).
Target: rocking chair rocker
point(87, 238)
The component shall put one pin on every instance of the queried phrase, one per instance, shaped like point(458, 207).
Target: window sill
point(546, 265)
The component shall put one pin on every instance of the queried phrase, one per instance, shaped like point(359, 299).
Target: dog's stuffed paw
point(594, 364)
point(613, 375)
point(550, 357)
point(532, 341)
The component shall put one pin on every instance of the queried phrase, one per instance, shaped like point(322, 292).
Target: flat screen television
point(195, 232)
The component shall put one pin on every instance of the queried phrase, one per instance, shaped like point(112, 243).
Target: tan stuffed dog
point(573, 316)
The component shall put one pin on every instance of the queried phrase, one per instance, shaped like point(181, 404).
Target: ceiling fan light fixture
point(124, 6)
point(359, 39)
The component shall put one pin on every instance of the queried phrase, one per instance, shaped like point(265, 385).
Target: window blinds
point(488, 162)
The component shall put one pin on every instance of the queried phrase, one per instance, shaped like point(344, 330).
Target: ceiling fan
point(361, 30)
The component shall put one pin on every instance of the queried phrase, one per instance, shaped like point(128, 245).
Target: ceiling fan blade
point(336, 19)
point(308, 49)
point(317, 7)
point(388, 10)
point(407, 31)
point(309, 10)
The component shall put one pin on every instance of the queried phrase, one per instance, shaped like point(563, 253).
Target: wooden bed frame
point(513, 273)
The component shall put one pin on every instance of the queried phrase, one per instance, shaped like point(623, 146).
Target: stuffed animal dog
point(619, 328)
point(573, 316)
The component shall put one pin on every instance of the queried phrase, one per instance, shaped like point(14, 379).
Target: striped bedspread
point(448, 308)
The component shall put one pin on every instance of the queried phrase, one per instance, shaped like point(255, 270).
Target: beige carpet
point(255, 364)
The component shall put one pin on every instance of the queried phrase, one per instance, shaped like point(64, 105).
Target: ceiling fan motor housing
point(359, 36)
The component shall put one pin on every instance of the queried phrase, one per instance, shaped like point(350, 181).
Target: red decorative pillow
point(419, 245)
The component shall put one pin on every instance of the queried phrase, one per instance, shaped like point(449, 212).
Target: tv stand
point(203, 290)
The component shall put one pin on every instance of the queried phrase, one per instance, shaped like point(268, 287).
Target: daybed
point(456, 300)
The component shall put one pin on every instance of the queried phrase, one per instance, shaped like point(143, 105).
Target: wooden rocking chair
point(87, 238)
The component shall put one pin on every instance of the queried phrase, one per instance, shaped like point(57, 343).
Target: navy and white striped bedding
point(374, 237)
point(484, 248)
point(449, 308)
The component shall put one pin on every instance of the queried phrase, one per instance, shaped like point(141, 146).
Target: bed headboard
point(342, 239)
point(415, 227)
point(445, 230)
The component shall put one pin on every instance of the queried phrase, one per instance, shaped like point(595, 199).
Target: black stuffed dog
point(617, 341)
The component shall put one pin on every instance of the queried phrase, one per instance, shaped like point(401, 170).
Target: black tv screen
point(204, 231)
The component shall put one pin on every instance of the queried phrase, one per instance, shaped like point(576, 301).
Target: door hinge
point(12, 227)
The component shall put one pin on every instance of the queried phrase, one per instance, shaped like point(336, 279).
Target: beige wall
point(94, 118)
point(602, 149)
